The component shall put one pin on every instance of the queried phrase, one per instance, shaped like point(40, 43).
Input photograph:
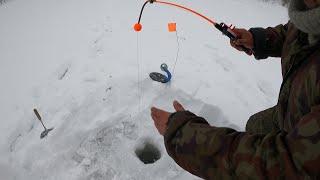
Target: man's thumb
point(177, 106)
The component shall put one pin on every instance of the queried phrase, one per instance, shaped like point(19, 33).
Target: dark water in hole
point(148, 153)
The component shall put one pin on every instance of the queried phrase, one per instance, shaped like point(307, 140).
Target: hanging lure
point(172, 27)
point(222, 27)
point(160, 77)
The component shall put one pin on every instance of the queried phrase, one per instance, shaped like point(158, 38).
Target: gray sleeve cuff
point(260, 42)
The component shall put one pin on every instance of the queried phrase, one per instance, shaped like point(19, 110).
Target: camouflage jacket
point(282, 142)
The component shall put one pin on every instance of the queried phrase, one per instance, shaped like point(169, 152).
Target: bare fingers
point(177, 106)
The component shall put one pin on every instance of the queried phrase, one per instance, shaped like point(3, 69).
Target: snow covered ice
point(76, 62)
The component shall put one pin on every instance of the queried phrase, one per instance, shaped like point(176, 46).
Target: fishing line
point(178, 51)
point(139, 75)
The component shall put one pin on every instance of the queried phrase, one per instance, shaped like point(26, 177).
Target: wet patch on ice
point(98, 154)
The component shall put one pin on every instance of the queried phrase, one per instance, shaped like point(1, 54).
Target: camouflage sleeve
point(268, 42)
point(223, 153)
point(262, 122)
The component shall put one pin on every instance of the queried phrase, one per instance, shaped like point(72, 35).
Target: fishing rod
point(222, 27)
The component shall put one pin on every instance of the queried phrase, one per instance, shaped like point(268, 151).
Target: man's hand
point(245, 39)
point(161, 117)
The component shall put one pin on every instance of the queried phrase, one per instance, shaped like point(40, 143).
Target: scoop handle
point(37, 114)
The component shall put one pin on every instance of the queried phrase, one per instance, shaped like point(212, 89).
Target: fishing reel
point(161, 77)
point(228, 31)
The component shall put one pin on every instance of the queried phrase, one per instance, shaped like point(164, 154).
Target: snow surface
point(76, 62)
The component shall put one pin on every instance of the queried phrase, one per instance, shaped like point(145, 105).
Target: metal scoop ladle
point(46, 131)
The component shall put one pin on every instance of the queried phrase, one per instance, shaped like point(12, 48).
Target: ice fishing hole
point(148, 153)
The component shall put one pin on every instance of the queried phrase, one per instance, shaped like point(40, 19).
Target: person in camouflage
point(282, 142)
